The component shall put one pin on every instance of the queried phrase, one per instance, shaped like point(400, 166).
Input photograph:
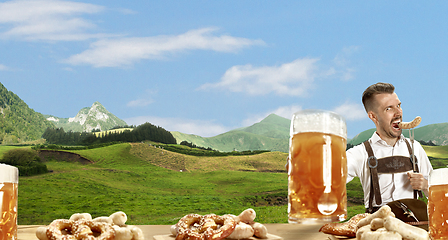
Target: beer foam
point(438, 176)
point(318, 121)
point(8, 174)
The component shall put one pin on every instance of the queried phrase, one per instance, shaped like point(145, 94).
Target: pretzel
point(207, 227)
point(80, 226)
point(347, 229)
point(186, 227)
point(408, 125)
point(84, 230)
point(60, 229)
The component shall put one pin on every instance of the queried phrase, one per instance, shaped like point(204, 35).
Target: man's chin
point(396, 133)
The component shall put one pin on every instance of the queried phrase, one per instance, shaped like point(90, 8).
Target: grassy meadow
point(155, 186)
point(125, 178)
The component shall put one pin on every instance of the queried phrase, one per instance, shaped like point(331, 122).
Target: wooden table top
point(159, 232)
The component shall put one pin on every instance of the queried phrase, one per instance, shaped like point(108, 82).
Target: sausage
point(409, 125)
point(381, 235)
point(383, 212)
point(377, 223)
point(405, 230)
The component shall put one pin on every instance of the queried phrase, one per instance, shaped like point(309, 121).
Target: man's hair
point(371, 91)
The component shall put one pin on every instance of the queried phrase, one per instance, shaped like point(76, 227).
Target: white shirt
point(393, 186)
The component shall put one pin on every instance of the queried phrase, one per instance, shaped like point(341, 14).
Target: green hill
point(18, 122)
point(437, 133)
point(272, 133)
point(361, 137)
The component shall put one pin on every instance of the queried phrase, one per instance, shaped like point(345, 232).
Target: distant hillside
point(361, 137)
point(272, 133)
point(89, 118)
point(18, 122)
point(437, 133)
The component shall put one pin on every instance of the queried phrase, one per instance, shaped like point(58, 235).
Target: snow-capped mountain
point(89, 118)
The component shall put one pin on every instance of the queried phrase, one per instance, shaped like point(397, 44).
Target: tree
point(26, 160)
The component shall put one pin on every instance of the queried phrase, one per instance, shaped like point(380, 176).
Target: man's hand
point(418, 182)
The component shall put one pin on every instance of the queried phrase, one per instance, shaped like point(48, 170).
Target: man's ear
point(372, 117)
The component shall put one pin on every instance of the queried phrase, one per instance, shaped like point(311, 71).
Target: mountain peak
point(90, 118)
point(97, 104)
point(274, 118)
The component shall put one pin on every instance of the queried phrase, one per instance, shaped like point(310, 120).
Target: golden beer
point(438, 211)
point(317, 176)
point(8, 201)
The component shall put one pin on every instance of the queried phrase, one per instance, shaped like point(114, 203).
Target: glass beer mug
point(317, 169)
point(9, 178)
point(437, 204)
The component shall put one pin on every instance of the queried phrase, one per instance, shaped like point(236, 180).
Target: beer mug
point(317, 170)
point(9, 179)
point(437, 204)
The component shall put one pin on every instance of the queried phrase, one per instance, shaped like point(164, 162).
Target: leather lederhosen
point(392, 164)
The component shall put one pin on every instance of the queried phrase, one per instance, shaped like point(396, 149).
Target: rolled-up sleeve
point(355, 158)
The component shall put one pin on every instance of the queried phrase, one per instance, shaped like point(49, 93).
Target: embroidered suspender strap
point(417, 193)
point(374, 182)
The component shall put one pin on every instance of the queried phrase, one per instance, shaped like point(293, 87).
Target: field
point(149, 194)
point(155, 186)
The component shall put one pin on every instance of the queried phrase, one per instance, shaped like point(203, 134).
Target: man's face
point(386, 115)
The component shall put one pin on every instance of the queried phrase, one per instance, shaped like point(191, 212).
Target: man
point(388, 148)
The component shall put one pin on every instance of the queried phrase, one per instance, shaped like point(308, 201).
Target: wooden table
point(285, 231)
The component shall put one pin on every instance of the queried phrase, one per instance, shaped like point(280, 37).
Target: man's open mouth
point(395, 125)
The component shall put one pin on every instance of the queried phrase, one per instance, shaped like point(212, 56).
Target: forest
point(144, 132)
point(18, 122)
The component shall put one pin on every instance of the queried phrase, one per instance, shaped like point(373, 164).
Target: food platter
point(172, 237)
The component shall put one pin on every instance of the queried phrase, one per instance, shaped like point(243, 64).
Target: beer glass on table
point(317, 169)
point(438, 204)
point(9, 179)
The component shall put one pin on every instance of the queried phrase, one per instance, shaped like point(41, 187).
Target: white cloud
point(140, 102)
point(144, 100)
point(203, 128)
point(3, 67)
point(125, 51)
point(351, 111)
point(293, 79)
point(52, 20)
point(342, 62)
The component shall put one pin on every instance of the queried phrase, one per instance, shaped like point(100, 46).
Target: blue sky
point(207, 67)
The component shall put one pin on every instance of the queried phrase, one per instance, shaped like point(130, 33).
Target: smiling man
point(383, 162)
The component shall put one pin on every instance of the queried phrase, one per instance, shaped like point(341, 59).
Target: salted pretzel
point(64, 229)
point(60, 229)
point(347, 229)
point(85, 229)
point(207, 227)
